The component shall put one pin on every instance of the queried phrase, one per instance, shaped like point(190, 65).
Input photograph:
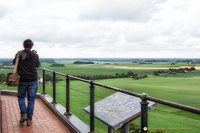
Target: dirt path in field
point(147, 68)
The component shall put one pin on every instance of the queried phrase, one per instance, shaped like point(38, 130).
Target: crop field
point(183, 88)
point(111, 68)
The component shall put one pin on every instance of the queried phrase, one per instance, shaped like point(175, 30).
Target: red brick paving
point(44, 121)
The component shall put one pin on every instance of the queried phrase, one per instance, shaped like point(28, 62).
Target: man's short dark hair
point(28, 43)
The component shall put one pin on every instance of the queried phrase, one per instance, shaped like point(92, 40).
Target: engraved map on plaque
point(118, 109)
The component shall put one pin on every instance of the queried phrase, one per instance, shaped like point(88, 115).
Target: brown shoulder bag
point(13, 78)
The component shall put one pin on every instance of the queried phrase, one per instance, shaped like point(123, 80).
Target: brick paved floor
point(44, 120)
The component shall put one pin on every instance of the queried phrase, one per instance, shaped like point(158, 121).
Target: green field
point(99, 68)
point(181, 88)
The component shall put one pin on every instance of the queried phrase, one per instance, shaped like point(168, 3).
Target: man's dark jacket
point(28, 64)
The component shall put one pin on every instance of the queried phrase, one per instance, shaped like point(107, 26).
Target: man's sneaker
point(28, 123)
point(23, 119)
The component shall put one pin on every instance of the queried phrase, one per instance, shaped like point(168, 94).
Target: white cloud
point(128, 10)
point(101, 28)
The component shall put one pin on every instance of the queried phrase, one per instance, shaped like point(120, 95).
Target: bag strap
point(16, 64)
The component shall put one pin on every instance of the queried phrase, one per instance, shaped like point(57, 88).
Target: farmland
point(181, 88)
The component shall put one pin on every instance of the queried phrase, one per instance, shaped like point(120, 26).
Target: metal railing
point(144, 98)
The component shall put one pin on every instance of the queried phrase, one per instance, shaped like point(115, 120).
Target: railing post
point(144, 113)
point(92, 107)
point(67, 97)
point(44, 82)
point(54, 88)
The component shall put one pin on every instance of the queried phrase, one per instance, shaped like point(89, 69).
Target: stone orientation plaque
point(118, 109)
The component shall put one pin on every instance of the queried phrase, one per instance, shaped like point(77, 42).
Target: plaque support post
point(144, 113)
point(126, 128)
point(110, 130)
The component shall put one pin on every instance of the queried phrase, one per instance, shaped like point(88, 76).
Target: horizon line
point(113, 58)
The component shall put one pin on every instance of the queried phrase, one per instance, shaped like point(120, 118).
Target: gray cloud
point(112, 28)
point(3, 11)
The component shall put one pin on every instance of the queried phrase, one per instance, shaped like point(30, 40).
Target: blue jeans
point(31, 89)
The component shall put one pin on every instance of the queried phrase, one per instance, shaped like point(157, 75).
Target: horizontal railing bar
point(175, 105)
point(80, 79)
point(61, 74)
point(48, 70)
point(117, 89)
point(160, 101)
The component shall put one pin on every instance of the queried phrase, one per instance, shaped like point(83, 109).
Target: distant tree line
point(182, 70)
point(49, 77)
point(142, 62)
point(83, 62)
point(134, 62)
point(57, 65)
point(173, 71)
point(157, 60)
point(159, 72)
point(117, 75)
point(111, 64)
point(145, 63)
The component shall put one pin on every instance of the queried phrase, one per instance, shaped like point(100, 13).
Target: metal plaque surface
point(118, 109)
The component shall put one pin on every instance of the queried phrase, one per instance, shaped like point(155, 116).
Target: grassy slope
point(184, 88)
point(180, 90)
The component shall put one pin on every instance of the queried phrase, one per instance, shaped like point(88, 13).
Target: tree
point(117, 75)
point(130, 74)
point(83, 62)
point(2, 78)
point(57, 65)
point(192, 68)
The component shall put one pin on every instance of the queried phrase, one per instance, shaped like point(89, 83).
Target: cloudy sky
point(102, 28)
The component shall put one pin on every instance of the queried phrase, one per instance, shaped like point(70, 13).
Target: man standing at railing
point(28, 62)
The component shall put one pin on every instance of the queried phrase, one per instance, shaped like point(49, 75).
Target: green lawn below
point(183, 90)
